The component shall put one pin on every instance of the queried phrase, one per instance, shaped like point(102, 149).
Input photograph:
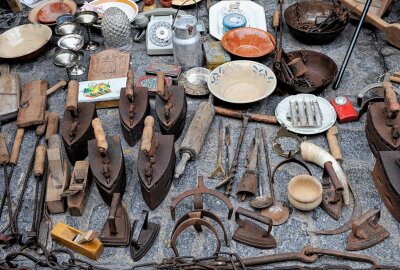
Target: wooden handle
point(4, 157)
point(52, 125)
point(147, 136)
point(71, 104)
point(160, 83)
point(16, 146)
point(395, 79)
point(130, 84)
point(267, 119)
point(275, 19)
point(55, 87)
point(392, 106)
point(333, 143)
point(41, 129)
point(100, 135)
point(40, 157)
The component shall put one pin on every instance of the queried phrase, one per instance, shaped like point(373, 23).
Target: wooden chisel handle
point(333, 142)
point(267, 119)
point(40, 156)
point(4, 156)
point(275, 19)
point(55, 87)
point(16, 146)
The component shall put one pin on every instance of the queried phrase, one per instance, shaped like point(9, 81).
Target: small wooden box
point(215, 55)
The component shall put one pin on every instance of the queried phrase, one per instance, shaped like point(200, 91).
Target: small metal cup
point(67, 28)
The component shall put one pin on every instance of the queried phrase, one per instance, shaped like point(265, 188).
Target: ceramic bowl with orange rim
point(247, 42)
point(33, 15)
point(50, 13)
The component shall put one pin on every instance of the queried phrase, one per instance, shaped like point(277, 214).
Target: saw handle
point(52, 125)
point(40, 156)
point(328, 167)
point(130, 84)
point(391, 103)
point(333, 142)
point(160, 83)
point(116, 200)
point(71, 104)
point(372, 216)
point(41, 129)
point(267, 119)
point(148, 134)
point(255, 216)
point(17, 146)
point(4, 156)
point(102, 144)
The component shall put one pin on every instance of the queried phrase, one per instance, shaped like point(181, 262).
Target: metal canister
point(187, 48)
point(233, 21)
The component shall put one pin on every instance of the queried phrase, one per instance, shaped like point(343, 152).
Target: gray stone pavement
point(370, 56)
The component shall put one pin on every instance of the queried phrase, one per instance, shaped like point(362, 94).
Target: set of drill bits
point(305, 113)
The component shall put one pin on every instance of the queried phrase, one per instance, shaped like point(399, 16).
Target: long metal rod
point(352, 45)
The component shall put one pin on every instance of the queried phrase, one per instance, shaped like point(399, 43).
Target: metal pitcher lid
point(183, 21)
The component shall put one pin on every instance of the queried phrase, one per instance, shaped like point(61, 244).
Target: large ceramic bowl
point(33, 14)
point(242, 82)
point(50, 13)
point(248, 42)
point(24, 42)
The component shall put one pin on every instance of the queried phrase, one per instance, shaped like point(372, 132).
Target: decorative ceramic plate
point(253, 12)
point(248, 42)
point(49, 14)
point(129, 7)
point(327, 111)
point(188, 3)
point(33, 14)
point(242, 82)
point(24, 42)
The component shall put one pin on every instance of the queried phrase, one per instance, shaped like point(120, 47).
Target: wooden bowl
point(305, 192)
point(50, 13)
point(248, 42)
point(24, 42)
point(242, 82)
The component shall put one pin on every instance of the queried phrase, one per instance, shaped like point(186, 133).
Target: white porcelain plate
point(253, 12)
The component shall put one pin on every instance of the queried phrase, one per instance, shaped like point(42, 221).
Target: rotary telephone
point(159, 31)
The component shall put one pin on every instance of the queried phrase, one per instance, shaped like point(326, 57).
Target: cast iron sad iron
point(156, 164)
point(332, 192)
point(366, 232)
point(250, 233)
point(133, 107)
point(76, 128)
point(116, 230)
point(386, 178)
point(383, 125)
point(143, 236)
point(171, 107)
point(107, 163)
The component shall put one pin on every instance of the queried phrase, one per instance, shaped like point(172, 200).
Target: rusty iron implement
point(156, 164)
point(107, 163)
point(252, 234)
point(366, 232)
point(383, 123)
point(386, 179)
point(117, 229)
point(134, 106)
point(144, 234)
point(332, 202)
point(198, 200)
point(76, 124)
point(171, 107)
point(219, 169)
point(197, 219)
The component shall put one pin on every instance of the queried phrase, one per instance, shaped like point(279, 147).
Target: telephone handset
point(159, 29)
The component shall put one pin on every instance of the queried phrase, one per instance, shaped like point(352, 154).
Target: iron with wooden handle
point(148, 135)
point(130, 84)
point(102, 144)
point(160, 83)
point(267, 119)
point(391, 104)
point(71, 103)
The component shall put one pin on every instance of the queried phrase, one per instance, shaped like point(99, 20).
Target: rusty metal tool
point(252, 234)
point(366, 232)
point(144, 234)
point(195, 136)
point(332, 192)
point(219, 169)
point(248, 183)
point(228, 180)
point(156, 164)
point(227, 141)
point(134, 106)
point(4, 160)
point(266, 119)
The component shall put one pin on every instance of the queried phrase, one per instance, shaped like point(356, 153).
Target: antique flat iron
point(117, 229)
point(171, 107)
point(106, 162)
point(143, 236)
point(133, 107)
point(383, 125)
point(156, 164)
point(76, 128)
point(366, 232)
point(86, 244)
point(252, 234)
point(78, 190)
point(386, 178)
point(332, 202)
point(58, 177)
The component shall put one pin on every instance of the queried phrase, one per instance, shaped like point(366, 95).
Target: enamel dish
point(33, 14)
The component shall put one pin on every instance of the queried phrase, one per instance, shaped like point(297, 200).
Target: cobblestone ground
point(370, 58)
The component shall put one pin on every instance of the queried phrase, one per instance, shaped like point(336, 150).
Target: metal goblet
point(66, 59)
point(73, 42)
point(67, 28)
point(88, 18)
